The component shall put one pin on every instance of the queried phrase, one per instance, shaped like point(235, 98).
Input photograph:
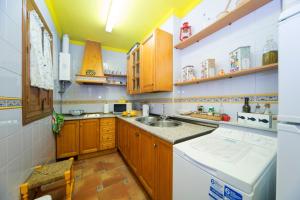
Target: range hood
point(92, 68)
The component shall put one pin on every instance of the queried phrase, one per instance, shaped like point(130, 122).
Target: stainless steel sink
point(147, 120)
point(166, 123)
point(158, 122)
point(91, 115)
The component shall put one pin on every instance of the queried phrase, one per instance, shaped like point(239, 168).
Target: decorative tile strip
point(10, 103)
point(230, 99)
point(72, 102)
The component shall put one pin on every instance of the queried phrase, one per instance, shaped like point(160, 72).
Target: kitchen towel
point(41, 69)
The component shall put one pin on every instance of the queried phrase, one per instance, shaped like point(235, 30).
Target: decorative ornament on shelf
point(208, 68)
point(221, 72)
point(240, 59)
point(188, 73)
point(185, 31)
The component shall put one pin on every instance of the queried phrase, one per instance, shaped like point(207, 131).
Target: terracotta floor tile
point(106, 178)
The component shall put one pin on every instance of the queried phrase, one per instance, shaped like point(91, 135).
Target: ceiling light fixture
point(113, 14)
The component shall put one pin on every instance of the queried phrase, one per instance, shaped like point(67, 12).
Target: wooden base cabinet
point(107, 133)
point(67, 142)
point(122, 138)
point(147, 171)
point(89, 136)
point(151, 159)
point(134, 148)
point(80, 137)
point(164, 170)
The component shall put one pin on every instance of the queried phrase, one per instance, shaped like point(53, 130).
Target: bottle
point(257, 108)
point(221, 110)
point(246, 107)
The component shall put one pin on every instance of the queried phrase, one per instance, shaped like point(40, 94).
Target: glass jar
point(270, 53)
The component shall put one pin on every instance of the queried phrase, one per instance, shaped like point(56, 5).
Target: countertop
point(171, 134)
point(68, 117)
point(233, 123)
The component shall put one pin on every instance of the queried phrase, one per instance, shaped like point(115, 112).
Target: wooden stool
point(48, 174)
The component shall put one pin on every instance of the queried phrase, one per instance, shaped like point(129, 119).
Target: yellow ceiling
point(83, 20)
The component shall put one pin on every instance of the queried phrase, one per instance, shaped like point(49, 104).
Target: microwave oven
point(118, 108)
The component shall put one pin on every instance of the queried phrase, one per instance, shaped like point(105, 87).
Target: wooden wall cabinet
point(156, 73)
point(67, 142)
point(150, 158)
point(150, 66)
point(89, 135)
point(133, 72)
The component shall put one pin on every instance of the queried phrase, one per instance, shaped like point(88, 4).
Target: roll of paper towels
point(146, 110)
point(106, 108)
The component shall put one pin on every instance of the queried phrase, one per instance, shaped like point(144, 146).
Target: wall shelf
point(115, 75)
point(234, 15)
point(230, 75)
point(114, 84)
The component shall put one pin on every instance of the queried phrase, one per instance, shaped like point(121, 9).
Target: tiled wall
point(74, 91)
point(253, 30)
point(21, 147)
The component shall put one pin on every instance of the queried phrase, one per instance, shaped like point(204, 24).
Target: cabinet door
point(107, 133)
point(147, 162)
point(147, 64)
point(163, 78)
point(67, 142)
point(163, 170)
point(129, 74)
point(122, 137)
point(89, 136)
point(134, 148)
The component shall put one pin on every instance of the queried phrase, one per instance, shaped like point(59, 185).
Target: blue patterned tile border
point(253, 98)
point(72, 102)
point(10, 103)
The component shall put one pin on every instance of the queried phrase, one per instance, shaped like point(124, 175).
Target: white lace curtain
point(41, 67)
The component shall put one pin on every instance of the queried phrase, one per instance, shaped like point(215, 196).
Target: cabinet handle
point(154, 145)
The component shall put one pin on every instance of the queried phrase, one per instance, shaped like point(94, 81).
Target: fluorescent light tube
point(114, 14)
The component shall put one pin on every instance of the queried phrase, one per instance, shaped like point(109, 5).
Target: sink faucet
point(163, 116)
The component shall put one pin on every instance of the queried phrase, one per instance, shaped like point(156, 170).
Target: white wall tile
point(13, 146)
point(3, 153)
point(10, 122)
point(16, 142)
point(10, 31)
point(10, 57)
point(12, 8)
point(13, 83)
point(14, 178)
point(3, 184)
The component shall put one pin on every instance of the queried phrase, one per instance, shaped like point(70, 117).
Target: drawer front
point(110, 122)
point(107, 145)
point(107, 130)
point(107, 137)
